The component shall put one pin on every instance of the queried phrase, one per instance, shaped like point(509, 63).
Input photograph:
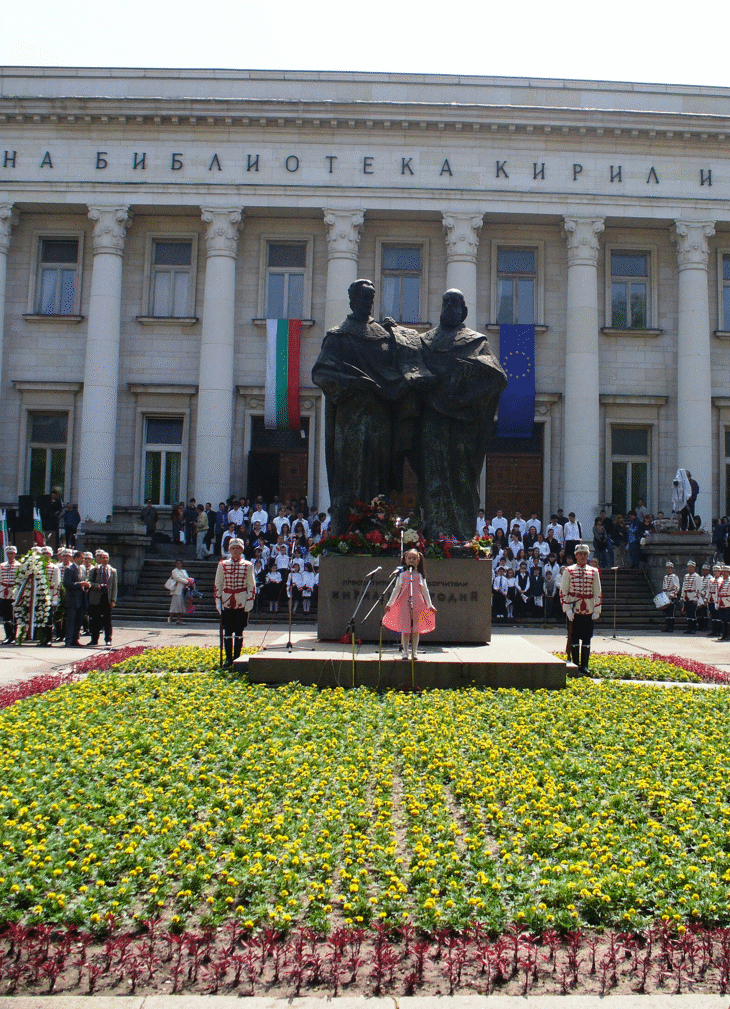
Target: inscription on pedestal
point(461, 591)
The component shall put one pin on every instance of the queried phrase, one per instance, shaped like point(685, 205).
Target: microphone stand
point(381, 601)
point(289, 645)
point(411, 573)
point(351, 622)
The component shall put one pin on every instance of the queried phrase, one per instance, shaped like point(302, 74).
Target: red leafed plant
point(710, 674)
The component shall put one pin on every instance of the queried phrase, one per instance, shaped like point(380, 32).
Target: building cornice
point(388, 117)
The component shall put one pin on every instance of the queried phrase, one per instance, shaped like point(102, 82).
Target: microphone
point(373, 572)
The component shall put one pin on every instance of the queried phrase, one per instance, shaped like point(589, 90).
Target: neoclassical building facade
point(151, 221)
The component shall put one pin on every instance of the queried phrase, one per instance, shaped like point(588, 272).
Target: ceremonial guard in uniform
point(7, 593)
point(712, 601)
point(235, 591)
point(703, 604)
point(670, 585)
point(581, 599)
point(691, 588)
point(722, 600)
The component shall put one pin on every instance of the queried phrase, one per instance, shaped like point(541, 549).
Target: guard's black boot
point(725, 630)
point(228, 645)
point(237, 644)
point(585, 655)
point(702, 623)
point(575, 659)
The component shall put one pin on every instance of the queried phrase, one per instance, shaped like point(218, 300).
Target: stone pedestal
point(461, 591)
point(679, 548)
point(124, 541)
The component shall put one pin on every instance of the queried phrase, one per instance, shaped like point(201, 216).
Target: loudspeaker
point(43, 504)
point(24, 522)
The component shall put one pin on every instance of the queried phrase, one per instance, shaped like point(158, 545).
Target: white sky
point(644, 40)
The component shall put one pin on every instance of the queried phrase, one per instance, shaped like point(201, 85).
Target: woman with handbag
point(175, 585)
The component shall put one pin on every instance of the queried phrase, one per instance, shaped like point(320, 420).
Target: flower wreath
point(32, 595)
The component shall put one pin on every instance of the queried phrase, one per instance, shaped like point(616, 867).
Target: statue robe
point(365, 371)
point(456, 425)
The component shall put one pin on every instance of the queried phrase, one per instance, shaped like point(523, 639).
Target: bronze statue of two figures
point(393, 394)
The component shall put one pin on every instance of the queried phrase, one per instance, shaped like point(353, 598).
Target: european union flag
point(517, 404)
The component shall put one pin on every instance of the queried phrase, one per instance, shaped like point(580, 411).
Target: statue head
point(453, 309)
point(362, 295)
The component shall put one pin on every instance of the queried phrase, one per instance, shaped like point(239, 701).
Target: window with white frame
point(57, 276)
point(630, 289)
point(630, 456)
point(516, 286)
point(172, 278)
point(725, 292)
point(162, 459)
point(287, 272)
point(47, 443)
point(401, 277)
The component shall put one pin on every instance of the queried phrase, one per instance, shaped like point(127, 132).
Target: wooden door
point(293, 466)
point(514, 482)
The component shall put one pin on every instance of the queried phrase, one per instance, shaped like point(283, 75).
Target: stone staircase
point(634, 607)
point(150, 601)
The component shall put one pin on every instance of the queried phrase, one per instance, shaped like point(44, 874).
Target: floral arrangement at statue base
point(376, 530)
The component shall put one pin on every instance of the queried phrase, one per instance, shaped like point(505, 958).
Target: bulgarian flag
point(38, 528)
point(281, 406)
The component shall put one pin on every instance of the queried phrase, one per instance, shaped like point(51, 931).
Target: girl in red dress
point(410, 590)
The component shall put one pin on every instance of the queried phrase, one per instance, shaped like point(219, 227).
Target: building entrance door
point(514, 476)
point(278, 462)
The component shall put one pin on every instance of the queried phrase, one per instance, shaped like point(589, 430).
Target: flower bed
point(488, 826)
point(619, 666)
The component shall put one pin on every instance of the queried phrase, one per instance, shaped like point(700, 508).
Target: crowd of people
point(703, 599)
point(77, 596)
point(529, 560)
point(277, 539)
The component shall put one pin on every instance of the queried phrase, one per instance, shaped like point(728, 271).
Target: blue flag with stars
point(517, 404)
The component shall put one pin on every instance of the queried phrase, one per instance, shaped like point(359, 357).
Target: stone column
point(694, 383)
point(215, 391)
point(101, 365)
point(7, 220)
point(343, 241)
point(462, 244)
point(582, 441)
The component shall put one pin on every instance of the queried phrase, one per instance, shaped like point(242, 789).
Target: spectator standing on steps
point(572, 535)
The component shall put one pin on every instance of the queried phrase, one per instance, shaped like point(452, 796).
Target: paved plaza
point(22, 663)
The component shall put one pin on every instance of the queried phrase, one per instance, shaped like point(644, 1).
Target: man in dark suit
point(102, 598)
point(74, 585)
